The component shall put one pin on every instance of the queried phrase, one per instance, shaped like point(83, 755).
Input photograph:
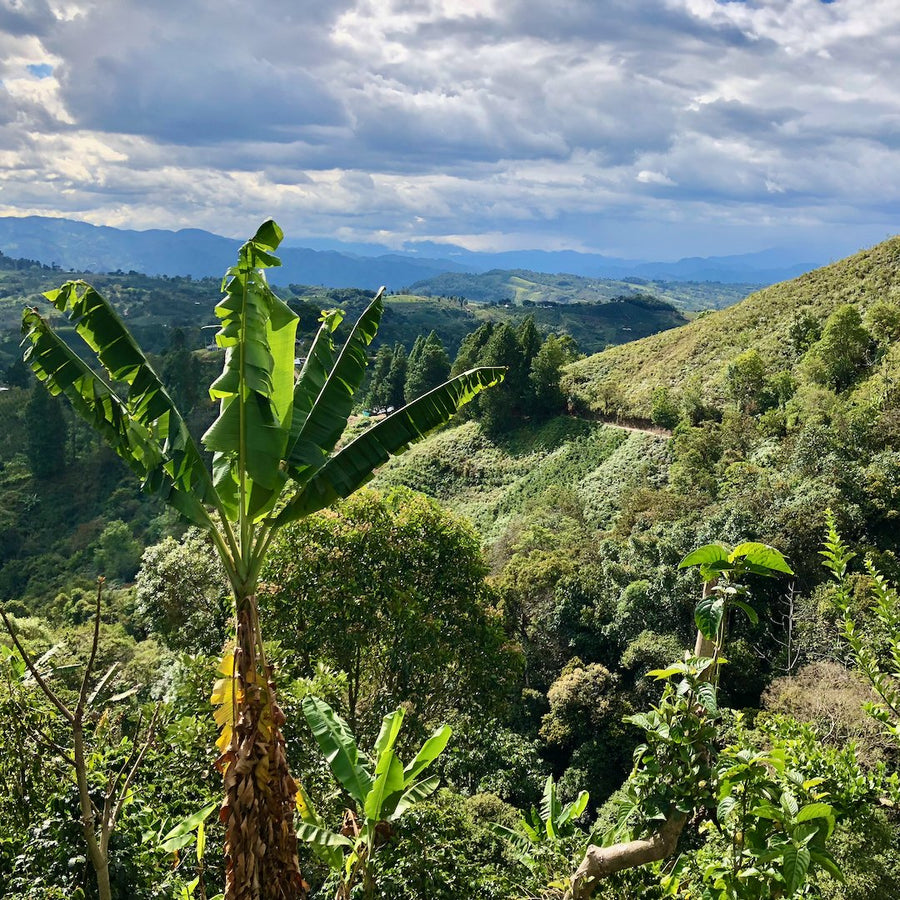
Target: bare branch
point(82, 694)
point(41, 683)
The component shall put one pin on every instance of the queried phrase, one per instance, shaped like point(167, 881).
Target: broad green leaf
point(319, 363)
point(815, 811)
point(762, 556)
point(708, 615)
point(674, 669)
point(388, 783)
point(328, 416)
point(789, 804)
point(255, 389)
point(748, 610)
point(726, 805)
point(337, 744)
point(412, 795)
point(431, 750)
point(387, 736)
point(305, 807)
point(573, 810)
point(823, 859)
point(704, 556)
point(706, 695)
point(550, 807)
point(322, 837)
point(355, 464)
point(796, 865)
point(181, 835)
point(167, 462)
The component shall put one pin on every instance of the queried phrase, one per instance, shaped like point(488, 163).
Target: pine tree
point(546, 366)
point(500, 413)
point(428, 369)
point(471, 348)
point(378, 386)
point(46, 433)
point(470, 352)
point(396, 380)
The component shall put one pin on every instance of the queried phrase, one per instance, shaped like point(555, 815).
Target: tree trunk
point(600, 862)
point(260, 795)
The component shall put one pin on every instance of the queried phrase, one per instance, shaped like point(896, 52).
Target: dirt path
point(641, 426)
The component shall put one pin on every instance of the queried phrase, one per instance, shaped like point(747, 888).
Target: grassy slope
point(492, 483)
point(762, 321)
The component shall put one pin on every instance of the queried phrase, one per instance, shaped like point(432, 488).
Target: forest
point(415, 616)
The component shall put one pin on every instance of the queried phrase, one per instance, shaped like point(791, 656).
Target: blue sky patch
point(41, 70)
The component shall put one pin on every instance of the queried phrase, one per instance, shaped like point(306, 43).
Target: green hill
point(770, 321)
point(522, 286)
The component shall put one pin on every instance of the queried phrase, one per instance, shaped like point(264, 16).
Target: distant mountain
point(79, 246)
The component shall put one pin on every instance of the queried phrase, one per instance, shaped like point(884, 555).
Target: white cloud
point(586, 123)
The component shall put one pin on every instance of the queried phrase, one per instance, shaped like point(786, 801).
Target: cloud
point(697, 124)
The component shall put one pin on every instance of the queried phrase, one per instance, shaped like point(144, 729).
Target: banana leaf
point(255, 389)
point(328, 416)
point(355, 464)
point(339, 748)
point(178, 476)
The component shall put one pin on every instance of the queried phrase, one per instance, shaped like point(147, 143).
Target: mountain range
point(80, 246)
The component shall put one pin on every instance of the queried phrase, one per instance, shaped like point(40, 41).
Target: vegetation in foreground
point(776, 780)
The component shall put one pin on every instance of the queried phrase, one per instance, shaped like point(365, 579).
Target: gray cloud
point(585, 123)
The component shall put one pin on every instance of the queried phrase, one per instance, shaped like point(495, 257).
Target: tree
point(421, 629)
point(675, 768)
point(378, 386)
point(182, 593)
point(46, 433)
point(745, 376)
point(100, 809)
point(381, 789)
point(546, 367)
point(427, 367)
point(500, 410)
point(844, 347)
point(270, 429)
point(396, 378)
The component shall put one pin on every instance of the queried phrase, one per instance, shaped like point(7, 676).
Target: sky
point(639, 128)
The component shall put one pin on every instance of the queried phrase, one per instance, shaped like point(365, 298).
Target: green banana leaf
point(179, 475)
point(388, 784)
point(328, 416)
point(355, 464)
point(431, 750)
point(573, 810)
point(412, 795)
point(327, 845)
point(319, 363)
point(339, 748)
point(255, 389)
point(390, 729)
point(550, 808)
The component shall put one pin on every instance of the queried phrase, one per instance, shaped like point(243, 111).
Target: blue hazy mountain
point(79, 246)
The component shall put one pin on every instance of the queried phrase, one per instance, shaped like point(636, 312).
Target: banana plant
point(553, 822)
point(379, 794)
point(276, 458)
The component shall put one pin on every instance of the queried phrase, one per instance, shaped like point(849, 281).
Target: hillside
point(518, 286)
point(763, 321)
point(153, 306)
